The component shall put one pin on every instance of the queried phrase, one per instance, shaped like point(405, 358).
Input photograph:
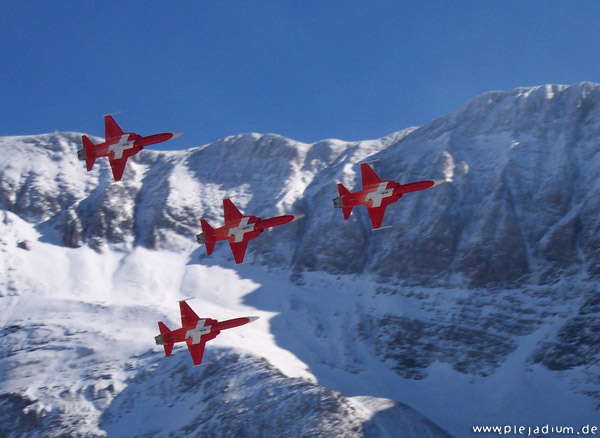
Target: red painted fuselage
point(210, 330)
point(195, 331)
point(238, 230)
point(376, 194)
point(118, 146)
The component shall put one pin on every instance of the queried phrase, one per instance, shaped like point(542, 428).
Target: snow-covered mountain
point(480, 305)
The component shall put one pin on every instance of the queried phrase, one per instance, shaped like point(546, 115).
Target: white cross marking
point(197, 332)
point(119, 147)
point(378, 195)
point(240, 230)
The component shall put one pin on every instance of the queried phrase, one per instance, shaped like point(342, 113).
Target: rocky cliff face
point(243, 397)
point(495, 272)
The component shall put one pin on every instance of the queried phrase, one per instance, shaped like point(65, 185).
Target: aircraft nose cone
point(252, 318)
point(298, 216)
point(176, 134)
point(437, 182)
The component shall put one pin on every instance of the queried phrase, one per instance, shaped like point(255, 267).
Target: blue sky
point(308, 70)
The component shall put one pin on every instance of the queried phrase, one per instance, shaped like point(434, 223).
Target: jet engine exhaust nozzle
point(337, 202)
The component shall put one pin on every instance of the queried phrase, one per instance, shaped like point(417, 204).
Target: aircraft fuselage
point(374, 195)
point(201, 328)
point(249, 227)
point(383, 193)
point(129, 141)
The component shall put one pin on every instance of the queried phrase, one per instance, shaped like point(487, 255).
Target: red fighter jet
point(118, 146)
point(195, 331)
point(376, 194)
point(238, 230)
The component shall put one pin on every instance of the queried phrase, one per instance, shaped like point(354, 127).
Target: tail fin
point(344, 191)
point(164, 330)
point(88, 148)
point(209, 239)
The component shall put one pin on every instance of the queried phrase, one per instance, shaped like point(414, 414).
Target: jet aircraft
point(118, 146)
point(376, 194)
point(238, 230)
point(195, 331)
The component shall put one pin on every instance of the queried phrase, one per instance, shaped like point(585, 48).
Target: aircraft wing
point(231, 211)
point(196, 350)
point(118, 167)
point(239, 250)
point(111, 128)
point(369, 177)
point(376, 214)
point(188, 316)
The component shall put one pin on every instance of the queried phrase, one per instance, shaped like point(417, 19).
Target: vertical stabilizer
point(208, 234)
point(88, 150)
point(343, 191)
point(163, 331)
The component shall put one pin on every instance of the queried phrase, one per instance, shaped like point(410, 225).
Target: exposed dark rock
point(577, 343)
point(25, 244)
point(412, 345)
point(233, 397)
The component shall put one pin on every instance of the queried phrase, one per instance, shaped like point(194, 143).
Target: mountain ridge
point(506, 173)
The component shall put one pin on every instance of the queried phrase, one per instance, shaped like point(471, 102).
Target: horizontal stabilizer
point(343, 191)
point(347, 212)
point(210, 246)
point(163, 328)
point(168, 349)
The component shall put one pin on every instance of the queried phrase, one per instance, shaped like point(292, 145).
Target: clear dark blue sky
point(308, 70)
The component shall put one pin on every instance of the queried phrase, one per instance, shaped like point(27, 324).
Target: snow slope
point(78, 357)
point(478, 306)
